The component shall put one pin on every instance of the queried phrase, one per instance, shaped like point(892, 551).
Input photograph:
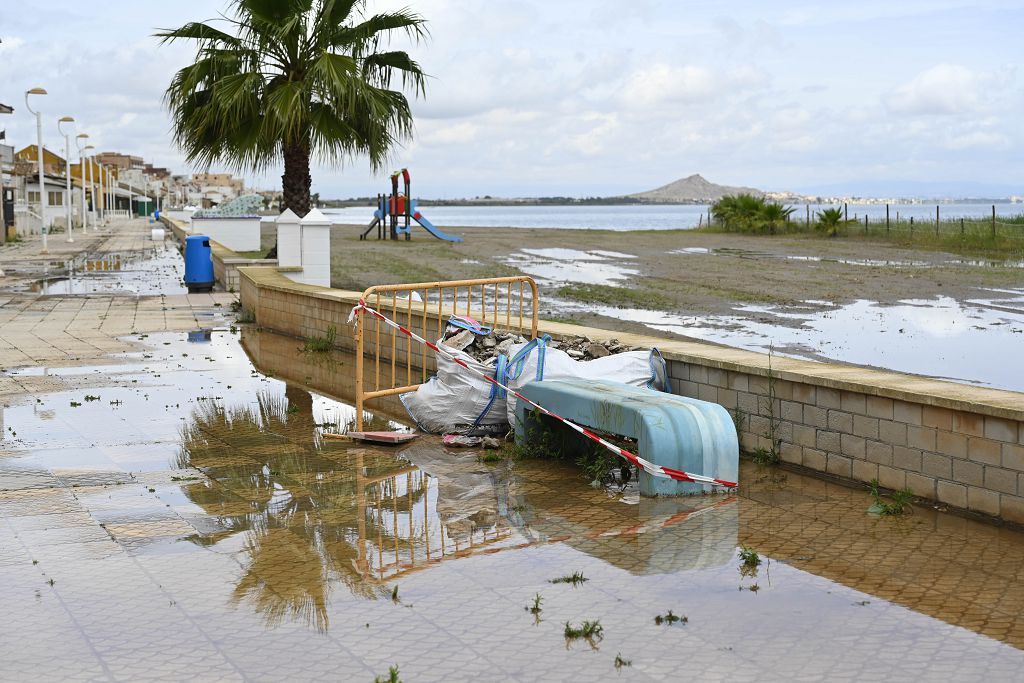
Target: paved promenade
point(103, 273)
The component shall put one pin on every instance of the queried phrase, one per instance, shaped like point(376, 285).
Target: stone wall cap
point(315, 217)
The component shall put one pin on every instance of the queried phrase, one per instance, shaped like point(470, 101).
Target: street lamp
point(67, 167)
point(39, 154)
point(92, 193)
point(102, 198)
point(81, 138)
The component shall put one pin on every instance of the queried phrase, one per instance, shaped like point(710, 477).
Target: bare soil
point(737, 269)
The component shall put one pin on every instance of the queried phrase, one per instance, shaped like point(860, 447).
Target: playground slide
point(429, 227)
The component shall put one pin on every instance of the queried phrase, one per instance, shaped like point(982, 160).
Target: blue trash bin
point(198, 264)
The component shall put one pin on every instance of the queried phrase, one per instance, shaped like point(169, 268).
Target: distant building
point(53, 164)
point(121, 161)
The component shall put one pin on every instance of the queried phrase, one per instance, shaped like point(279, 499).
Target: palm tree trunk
point(295, 182)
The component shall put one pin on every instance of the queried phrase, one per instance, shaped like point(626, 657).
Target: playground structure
point(395, 213)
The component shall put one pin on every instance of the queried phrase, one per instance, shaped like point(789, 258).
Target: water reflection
point(309, 513)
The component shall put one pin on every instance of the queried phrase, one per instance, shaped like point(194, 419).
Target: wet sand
point(734, 269)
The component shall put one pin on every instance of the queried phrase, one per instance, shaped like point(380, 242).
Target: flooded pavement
point(156, 268)
point(189, 520)
point(966, 342)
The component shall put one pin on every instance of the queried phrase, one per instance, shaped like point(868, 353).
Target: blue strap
point(496, 391)
point(517, 363)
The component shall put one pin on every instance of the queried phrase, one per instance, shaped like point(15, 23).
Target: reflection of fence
point(509, 303)
point(410, 531)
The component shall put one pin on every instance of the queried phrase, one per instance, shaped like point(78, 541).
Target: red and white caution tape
point(645, 465)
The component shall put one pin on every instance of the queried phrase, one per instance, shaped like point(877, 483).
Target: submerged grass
point(620, 297)
point(589, 630)
point(669, 618)
point(392, 676)
point(575, 579)
point(317, 344)
point(898, 503)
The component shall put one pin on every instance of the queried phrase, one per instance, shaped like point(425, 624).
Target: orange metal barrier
point(507, 303)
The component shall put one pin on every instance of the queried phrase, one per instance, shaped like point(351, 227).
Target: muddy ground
point(719, 272)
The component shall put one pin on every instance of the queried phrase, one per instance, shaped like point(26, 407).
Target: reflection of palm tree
point(271, 481)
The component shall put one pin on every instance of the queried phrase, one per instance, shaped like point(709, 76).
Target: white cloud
point(941, 90)
point(662, 83)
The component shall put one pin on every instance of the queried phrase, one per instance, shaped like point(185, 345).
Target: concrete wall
point(955, 444)
point(237, 234)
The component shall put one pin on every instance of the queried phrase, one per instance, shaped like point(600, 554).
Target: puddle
point(935, 337)
point(157, 269)
point(225, 511)
point(874, 263)
point(555, 265)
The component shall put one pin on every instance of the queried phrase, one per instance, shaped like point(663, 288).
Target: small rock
point(597, 351)
point(488, 342)
point(573, 353)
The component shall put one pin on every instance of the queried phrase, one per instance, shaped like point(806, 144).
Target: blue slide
point(429, 227)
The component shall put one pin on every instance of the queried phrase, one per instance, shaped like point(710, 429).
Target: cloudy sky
point(593, 97)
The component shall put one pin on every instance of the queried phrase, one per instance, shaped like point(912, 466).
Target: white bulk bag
point(456, 400)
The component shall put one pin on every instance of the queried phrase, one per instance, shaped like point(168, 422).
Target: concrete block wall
point(962, 458)
point(955, 444)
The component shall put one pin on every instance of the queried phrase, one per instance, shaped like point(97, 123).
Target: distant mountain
point(694, 188)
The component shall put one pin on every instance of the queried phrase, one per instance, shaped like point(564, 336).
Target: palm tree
point(290, 80)
point(830, 221)
point(774, 216)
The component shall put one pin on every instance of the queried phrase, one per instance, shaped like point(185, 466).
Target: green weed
point(898, 504)
point(670, 619)
point(246, 316)
point(575, 579)
point(317, 344)
point(749, 557)
point(620, 662)
point(392, 676)
point(535, 607)
point(588, 630)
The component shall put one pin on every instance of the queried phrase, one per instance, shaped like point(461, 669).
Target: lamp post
point(92, 194)
point(82, 137)
point(39, 154)
point(103, 198)
point(67, 170)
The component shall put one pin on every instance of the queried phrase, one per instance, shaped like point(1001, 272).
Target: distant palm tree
point(291, 80)
point(774, 216)
point(747, 213)
point(830, 221)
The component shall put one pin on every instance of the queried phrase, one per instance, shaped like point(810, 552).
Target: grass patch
point(246, 316)
point(974, 236)
point(317, 344)
point(898, 503)
point(620, 297)
point(575, 579)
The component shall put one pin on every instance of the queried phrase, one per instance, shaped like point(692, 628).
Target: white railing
point(27, 221)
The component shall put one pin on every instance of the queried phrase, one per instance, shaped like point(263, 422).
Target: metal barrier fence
point(509, 303)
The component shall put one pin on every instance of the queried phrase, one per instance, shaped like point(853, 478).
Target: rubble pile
point(487, 347)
